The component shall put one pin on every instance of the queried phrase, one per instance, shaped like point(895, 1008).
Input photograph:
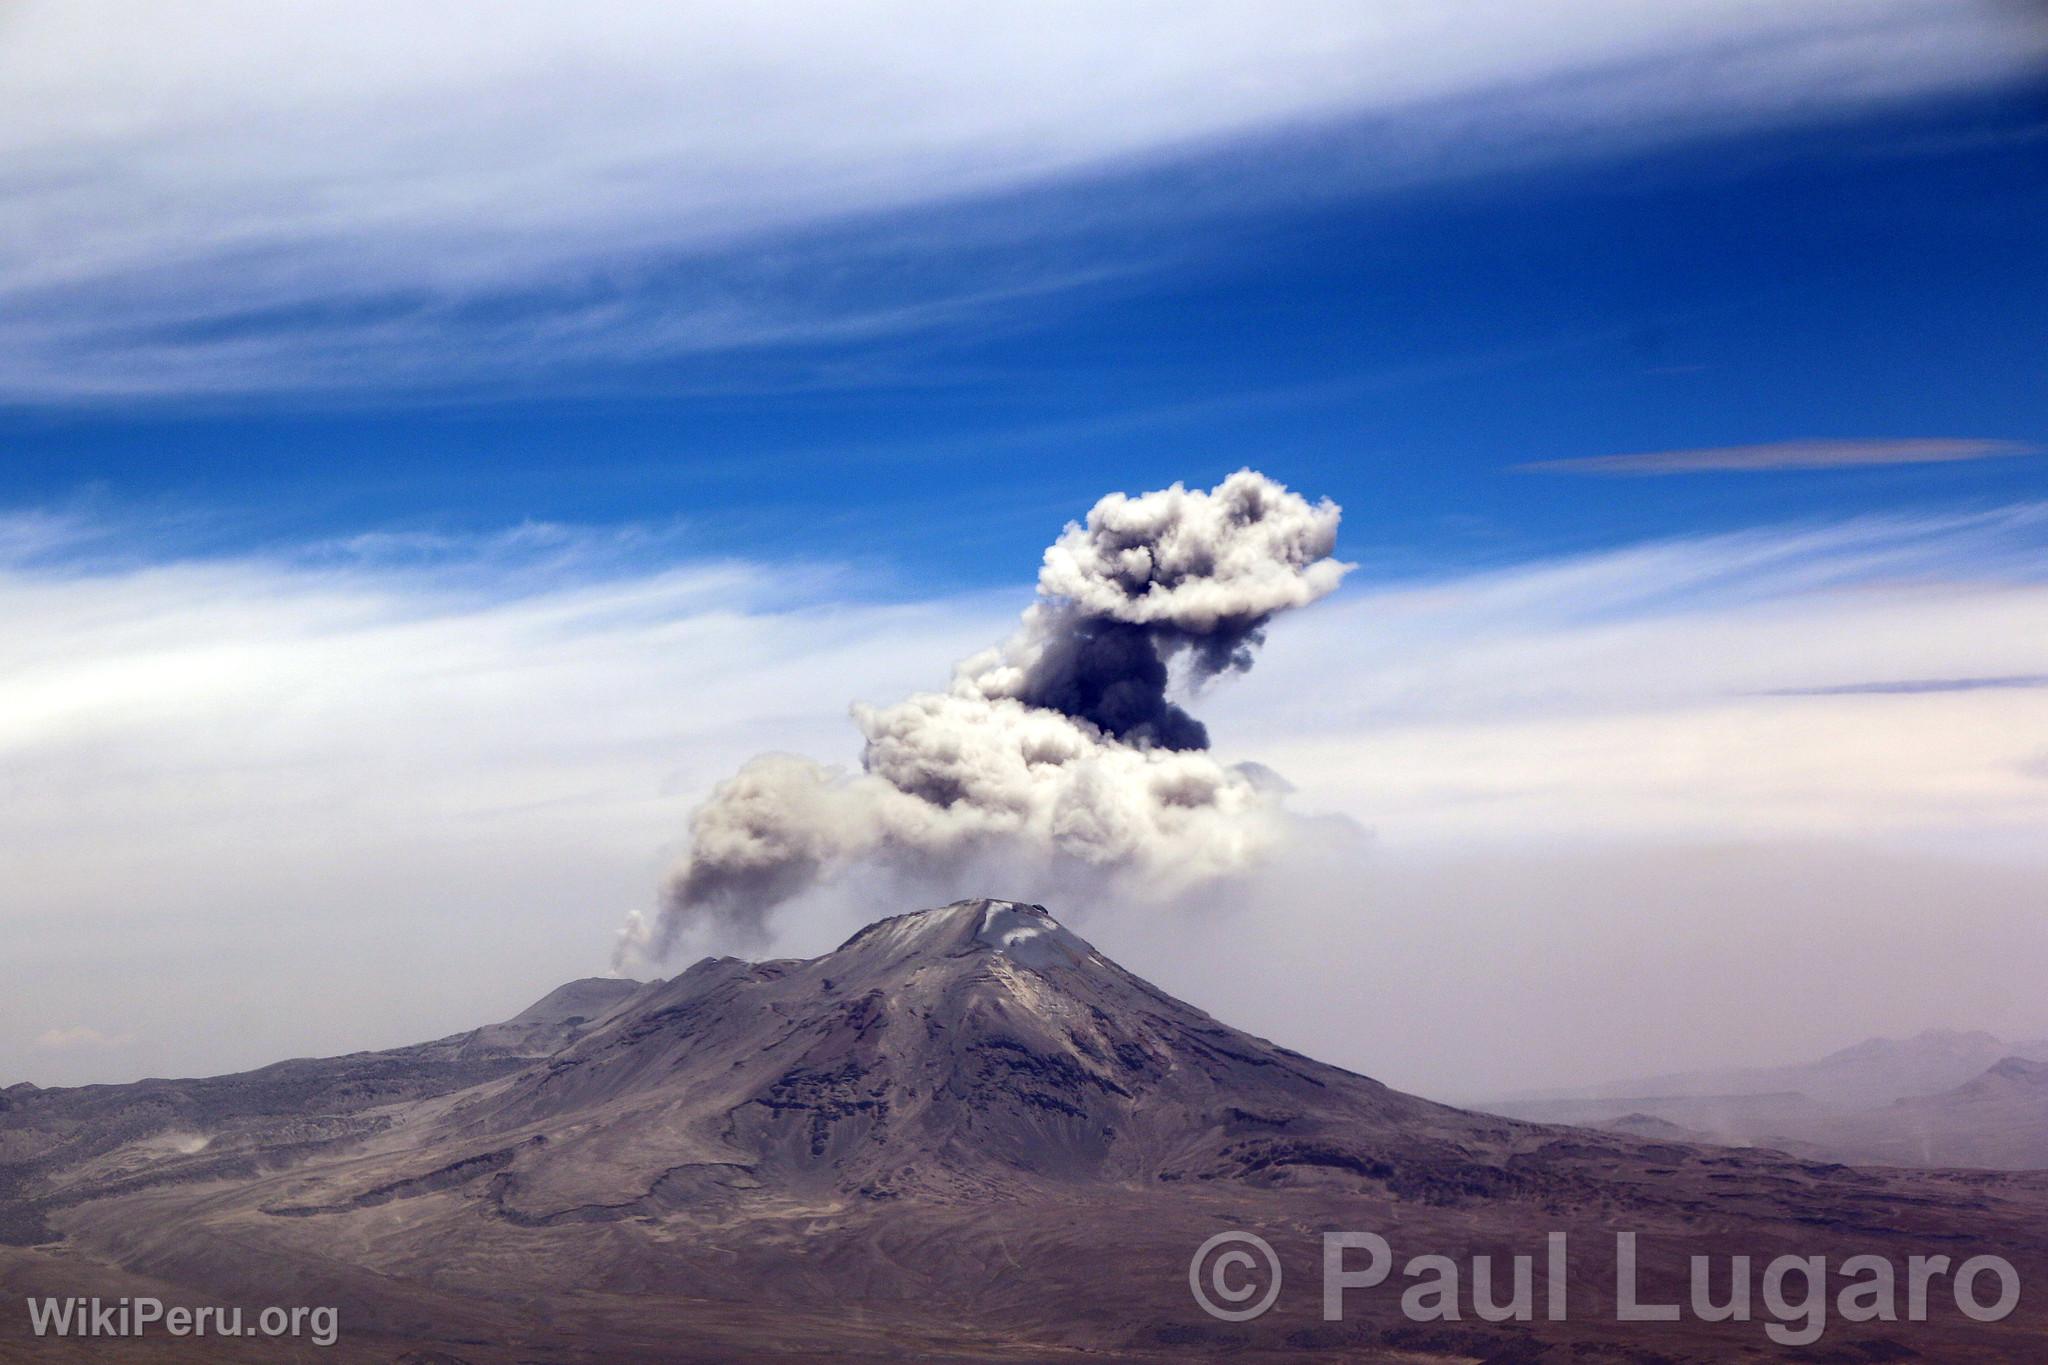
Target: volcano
point(977, 1051)
point(963, 1135)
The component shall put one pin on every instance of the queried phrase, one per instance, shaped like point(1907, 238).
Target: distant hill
point(1940, 1098)
point(1998, 1119)
point(1876, 1071)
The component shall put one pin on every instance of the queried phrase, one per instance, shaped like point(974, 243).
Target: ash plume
point(1059, 751)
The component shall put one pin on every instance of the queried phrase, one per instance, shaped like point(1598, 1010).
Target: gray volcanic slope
point(964, 1135)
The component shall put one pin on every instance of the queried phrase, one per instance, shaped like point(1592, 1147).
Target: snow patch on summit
point(1029, 937)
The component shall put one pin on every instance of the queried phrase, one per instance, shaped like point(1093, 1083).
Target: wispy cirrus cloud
point(1914, 687)
point(1773, 456)
point(239, 197)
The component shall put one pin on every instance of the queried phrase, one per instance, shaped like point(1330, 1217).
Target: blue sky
point(433, 454)
point(1366, 313)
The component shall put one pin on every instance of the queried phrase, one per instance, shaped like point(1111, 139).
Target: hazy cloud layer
point(246, 196)
point(1620, 695)
point(1781, 455)
point(372, 793)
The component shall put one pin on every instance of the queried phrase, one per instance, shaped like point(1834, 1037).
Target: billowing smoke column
point(1060, 748)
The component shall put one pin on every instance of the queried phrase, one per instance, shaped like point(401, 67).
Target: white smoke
point(1205, 563)
point(1060, 749)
